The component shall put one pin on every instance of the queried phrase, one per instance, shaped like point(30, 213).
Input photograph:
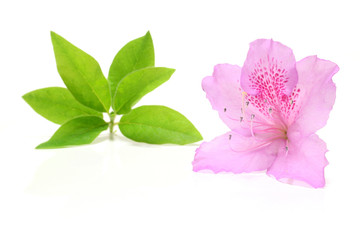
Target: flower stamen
point(251, 124)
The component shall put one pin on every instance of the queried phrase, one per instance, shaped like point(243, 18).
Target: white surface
point(126, 190)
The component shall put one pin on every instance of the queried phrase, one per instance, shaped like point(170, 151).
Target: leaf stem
point(112, 116)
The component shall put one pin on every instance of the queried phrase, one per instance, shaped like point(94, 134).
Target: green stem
point(112, 116)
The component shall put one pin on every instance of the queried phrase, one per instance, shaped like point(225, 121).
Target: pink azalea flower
point(273, 106)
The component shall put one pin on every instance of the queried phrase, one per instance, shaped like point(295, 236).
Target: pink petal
point(317, 95)
point(270, 63)
point(241, 143)
point(305, 161)
point(218, 156)
point(224, 93)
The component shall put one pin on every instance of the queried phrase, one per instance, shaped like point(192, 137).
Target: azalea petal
point(317, 95)
point(218, 156)
point(241, 143)
point(225, 95)
point(269, 63)
point(305, 161)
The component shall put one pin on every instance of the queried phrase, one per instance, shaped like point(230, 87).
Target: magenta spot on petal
point(269, 78)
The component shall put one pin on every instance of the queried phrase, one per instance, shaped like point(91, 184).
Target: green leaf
point(158, 125)
point(56, 104)
point(81, 74)
point(78, 131)
point(137, 84)
point(137, 54)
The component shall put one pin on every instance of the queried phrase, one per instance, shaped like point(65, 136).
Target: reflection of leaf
point(71, 171)
point(111, 170)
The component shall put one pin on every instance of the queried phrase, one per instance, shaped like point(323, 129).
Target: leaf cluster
point(89, 95)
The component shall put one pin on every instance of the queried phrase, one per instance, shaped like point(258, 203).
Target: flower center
point(264, 130)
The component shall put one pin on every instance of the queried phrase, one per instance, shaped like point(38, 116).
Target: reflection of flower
point(273, 106)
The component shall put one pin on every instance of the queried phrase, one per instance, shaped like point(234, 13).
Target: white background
point(127, 190)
